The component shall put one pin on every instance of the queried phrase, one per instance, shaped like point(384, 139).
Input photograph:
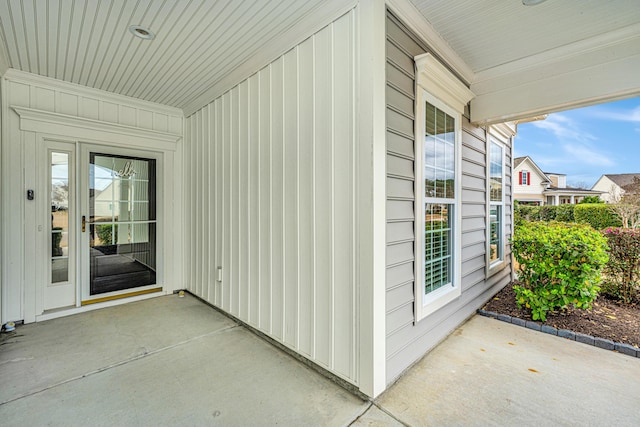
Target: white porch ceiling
point(198, 42)
point(519, 60)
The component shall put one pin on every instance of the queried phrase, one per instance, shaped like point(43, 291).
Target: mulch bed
point(608, 319)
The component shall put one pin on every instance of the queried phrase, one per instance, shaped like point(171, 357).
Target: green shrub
point(597, 215)
point(548, 213)
point(105, 234)
point(526, 213)
point(591, 199)
point(622, 272)
point(564, 213)
point(559, 265)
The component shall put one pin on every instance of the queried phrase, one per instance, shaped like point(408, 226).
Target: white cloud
point(564, 128)
point(583, 154)
point(624, 116)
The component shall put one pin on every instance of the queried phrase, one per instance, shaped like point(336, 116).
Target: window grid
point(438, 252)
point(439, 193)
point(496, 202)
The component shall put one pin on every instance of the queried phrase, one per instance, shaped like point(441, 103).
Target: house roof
point(623, 179)
point(572, 190)
point(519, 160)
point(202, 48)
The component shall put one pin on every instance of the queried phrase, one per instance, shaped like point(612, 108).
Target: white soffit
point(491, 33)
point(529, 60)
point(197, 43)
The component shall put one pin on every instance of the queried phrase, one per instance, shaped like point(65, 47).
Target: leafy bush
point(597, 215)
point(564, 213)
point(559, 265)
point(105, 234)
point(591, 199)
point(526, 213)
point(622, 272)
point(548, 213)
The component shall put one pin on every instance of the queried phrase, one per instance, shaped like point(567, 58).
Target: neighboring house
point(334, 173)
point(530, 182)
point(612, 186)
point(535, 187)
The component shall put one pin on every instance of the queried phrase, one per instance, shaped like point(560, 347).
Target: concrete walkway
point(176, 361)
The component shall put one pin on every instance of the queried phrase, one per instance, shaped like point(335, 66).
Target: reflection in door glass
point(59, 217)
point(122, 212)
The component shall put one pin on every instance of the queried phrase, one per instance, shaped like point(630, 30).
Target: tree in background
point(627, 204)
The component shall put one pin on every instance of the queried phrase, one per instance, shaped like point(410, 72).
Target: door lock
point(84, 223)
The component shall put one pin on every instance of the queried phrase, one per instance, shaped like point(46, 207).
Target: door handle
point(84, 223)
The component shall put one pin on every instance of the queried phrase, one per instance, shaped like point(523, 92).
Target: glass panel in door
point(58, 211)
point(59, 217)
point(122, 223)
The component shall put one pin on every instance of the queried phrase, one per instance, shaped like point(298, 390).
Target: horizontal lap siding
point(406, 341)
point(271, 196)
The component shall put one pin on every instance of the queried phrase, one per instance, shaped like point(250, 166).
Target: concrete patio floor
point(177, 361)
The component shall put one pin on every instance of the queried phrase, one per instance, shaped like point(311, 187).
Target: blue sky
point(585, 143)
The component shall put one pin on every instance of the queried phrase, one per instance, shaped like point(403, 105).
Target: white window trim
point(497, 265)
point(438, 86)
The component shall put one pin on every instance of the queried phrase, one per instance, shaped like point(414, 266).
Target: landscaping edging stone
point(627, 349)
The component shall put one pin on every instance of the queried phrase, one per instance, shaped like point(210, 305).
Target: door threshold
point(120, 296)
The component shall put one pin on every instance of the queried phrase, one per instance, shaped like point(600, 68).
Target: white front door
point(101, 215)
point(119, 223)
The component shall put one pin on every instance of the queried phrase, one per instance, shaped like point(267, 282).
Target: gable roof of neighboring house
point(622, 179)
point(519, 160)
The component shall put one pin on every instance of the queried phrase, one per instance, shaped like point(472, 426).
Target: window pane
point(438, 245)
point(495, 238)
point(439, 154)
point(430, 122)
point(122, 232)
point(495, 173)
point(59, 217)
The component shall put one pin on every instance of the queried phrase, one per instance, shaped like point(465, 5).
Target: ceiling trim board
point(311, 23)
point(416, 21)
point(50, 83)
point(591, 85)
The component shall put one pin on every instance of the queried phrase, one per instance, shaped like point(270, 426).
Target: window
point(525, 178)
point(496, 203)
point(438, 131)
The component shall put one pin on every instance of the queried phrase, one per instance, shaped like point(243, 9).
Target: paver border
point(606, 344)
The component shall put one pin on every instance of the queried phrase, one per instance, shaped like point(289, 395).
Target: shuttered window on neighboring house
point(525, 178)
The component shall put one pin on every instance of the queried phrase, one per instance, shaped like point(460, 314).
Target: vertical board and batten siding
point(270, 192)
point(19, 150)
point(407, 341)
